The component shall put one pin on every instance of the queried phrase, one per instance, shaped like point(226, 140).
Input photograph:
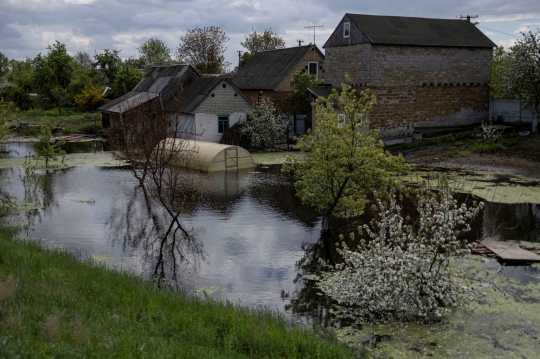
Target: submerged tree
point(48, 150)
point(402, 270)
point(264, 127)
point(344, 162)
point(204, 49)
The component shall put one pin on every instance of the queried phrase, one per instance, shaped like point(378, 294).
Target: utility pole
point(314, 27)
point(239, 56)
point(469, 17)
point(300, 42)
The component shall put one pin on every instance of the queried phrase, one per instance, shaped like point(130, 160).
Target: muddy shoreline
point(522, 160)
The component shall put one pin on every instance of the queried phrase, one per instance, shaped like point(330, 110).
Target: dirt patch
point(520, 160)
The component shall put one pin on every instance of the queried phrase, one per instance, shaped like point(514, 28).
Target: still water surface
point(250, 239)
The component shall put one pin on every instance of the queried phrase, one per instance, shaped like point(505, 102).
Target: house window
point(313, 68)
point(346, 29)
point(223, 123)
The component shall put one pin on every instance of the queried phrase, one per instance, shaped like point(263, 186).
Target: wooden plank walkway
point(510, 251)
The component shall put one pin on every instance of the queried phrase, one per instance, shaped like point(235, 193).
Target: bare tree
point(204, 49)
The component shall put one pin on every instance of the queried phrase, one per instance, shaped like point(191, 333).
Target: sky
point(27, 27)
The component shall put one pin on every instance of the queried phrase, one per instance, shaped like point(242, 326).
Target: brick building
point(270, 73)
point(425, 72)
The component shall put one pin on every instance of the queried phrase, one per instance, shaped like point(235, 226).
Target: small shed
point(212, 157)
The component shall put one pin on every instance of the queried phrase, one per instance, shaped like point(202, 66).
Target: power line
point(500, 32)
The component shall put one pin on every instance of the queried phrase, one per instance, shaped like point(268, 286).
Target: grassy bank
point(52, 305)
point(69, 121)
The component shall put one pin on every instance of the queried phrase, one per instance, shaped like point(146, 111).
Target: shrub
point(90, 98)
point(402, 270)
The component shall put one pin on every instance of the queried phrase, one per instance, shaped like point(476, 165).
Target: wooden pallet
point(76, 137)
point(507, 251)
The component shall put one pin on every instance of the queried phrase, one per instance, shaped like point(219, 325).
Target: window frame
point(346, 29)
point(316, 68)
point(222, 126)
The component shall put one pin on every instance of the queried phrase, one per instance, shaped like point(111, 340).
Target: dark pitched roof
point(179, 87)
point(266, 69)
point(163, 81)
point(399, 30)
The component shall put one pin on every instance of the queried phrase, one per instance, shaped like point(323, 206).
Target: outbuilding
point(211, 157)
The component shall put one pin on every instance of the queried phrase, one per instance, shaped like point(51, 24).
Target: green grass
point(53, 305)
point(69, 121)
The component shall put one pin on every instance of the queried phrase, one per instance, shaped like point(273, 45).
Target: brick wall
point(416, 86)
point(286, 84)
point(225, 100)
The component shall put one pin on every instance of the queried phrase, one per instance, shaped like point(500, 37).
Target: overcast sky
point(28, 26)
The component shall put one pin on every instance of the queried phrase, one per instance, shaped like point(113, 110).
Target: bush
point(90, 98)
point(89, 129)
point(401, 270)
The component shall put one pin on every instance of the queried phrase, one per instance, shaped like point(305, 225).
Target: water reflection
point(248, 235)
point(23, 149)
point(167, 249)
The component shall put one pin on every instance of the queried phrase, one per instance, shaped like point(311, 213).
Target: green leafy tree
point(265, 128)
point(258, 41)
point(4, 66)
point(19, 84)
point(299, 98)
point(125, 80)
point(204, 49)
point(521, 74)
point(344, 162)
point(497, 88)
point(109, 62)
point(48, 150)
point(155, 52)
point(265, 40)
point(7, 113)
point(52, 74)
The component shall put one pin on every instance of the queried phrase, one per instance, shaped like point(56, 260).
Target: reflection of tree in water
point(38, 190)
point(167, 247)
point(511, 222)
point(277, 191)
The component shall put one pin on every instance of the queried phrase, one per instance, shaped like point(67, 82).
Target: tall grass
point(53, 305)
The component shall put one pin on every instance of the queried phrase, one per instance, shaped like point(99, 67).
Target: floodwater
point(248, 239)
point(22, 149)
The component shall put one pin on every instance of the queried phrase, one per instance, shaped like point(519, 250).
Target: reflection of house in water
point(511, 222)
point(222, 191)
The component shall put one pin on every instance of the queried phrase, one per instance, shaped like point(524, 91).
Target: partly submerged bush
point(402, 270)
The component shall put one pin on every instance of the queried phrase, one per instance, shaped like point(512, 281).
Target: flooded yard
point(249, 239)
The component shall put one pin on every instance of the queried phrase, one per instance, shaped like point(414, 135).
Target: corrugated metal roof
point(399, 30)
point(179, 87)
point(132, 101)
point(265, 70)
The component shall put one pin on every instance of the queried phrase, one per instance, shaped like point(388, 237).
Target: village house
point(270, 73)
point(209, 105)
point(425, 73)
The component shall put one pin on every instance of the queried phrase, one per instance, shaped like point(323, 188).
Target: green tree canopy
point(20, 84)
point(52, 74)
point(155, 52)
point(126, 79)
point(204, 49)
point(265, 40)
point(299, 98)
point(4, 66)
point(344, 163)
point(109, 62)
point(497, 87)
